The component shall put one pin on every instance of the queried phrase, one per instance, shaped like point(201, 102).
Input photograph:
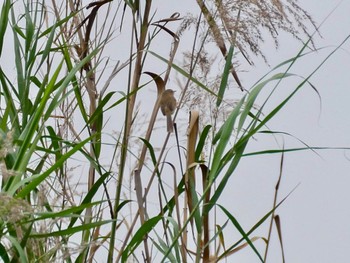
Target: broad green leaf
point(223, 135)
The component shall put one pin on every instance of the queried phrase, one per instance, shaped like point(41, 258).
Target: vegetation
point(87, 169)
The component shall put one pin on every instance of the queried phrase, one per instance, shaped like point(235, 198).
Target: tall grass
point(85, 176)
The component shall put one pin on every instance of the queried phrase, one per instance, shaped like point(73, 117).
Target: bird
point(168, 106)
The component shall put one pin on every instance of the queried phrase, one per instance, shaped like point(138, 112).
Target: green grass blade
point(70, 212)
point(184, 73)
point(18, 61)
point(201, 142)
point(237, 152)
point(224, 77)
point(139, 236)
point(4, 16)
point(29, 29)
point(72, 230)
point(274, 151)
point(241, 231)
point(27, 135)
point(253, 96)
point(258, 224)
point(162, 247)
point(223, 135)
point(35, 182)
point(4, 254)
point(18, 248)
point(69, 78)
point(89, 196)
point(97, 114)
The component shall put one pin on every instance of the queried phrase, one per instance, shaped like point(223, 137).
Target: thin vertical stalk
point(274, 207)
point(128, 121)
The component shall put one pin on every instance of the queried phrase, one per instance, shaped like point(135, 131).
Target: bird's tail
point(169, 123)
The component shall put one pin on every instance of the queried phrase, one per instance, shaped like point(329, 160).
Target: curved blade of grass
point(283, 133)
point(139, 236)
point(4, 119)
point(201, 142)
point(220, 233)
point(232, 118)
point(184, 73)
point(22, 257)
point(224, 134)
point(29, 29)
point(70, 212)
point(279, 231)
point(5, 81)
point(274, 151)
point(36, 181)
point(224, 77)
point(10, 110)
point(29, 131)
point(284, 102)
point(238, 152)
point(3, 254)
point(70, 77)
point(151, 151)
point(99, 110)
point(163, 246)
point(253, 96)
point(55, 143)
point(18, 60)
point(72, 230)
point(3, 21)
point(256, 226)
point(88, 198)
point(241, 231)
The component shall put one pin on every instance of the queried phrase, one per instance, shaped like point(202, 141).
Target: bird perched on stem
point(168, 106)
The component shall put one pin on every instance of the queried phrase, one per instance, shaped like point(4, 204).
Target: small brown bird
point(168, 106)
